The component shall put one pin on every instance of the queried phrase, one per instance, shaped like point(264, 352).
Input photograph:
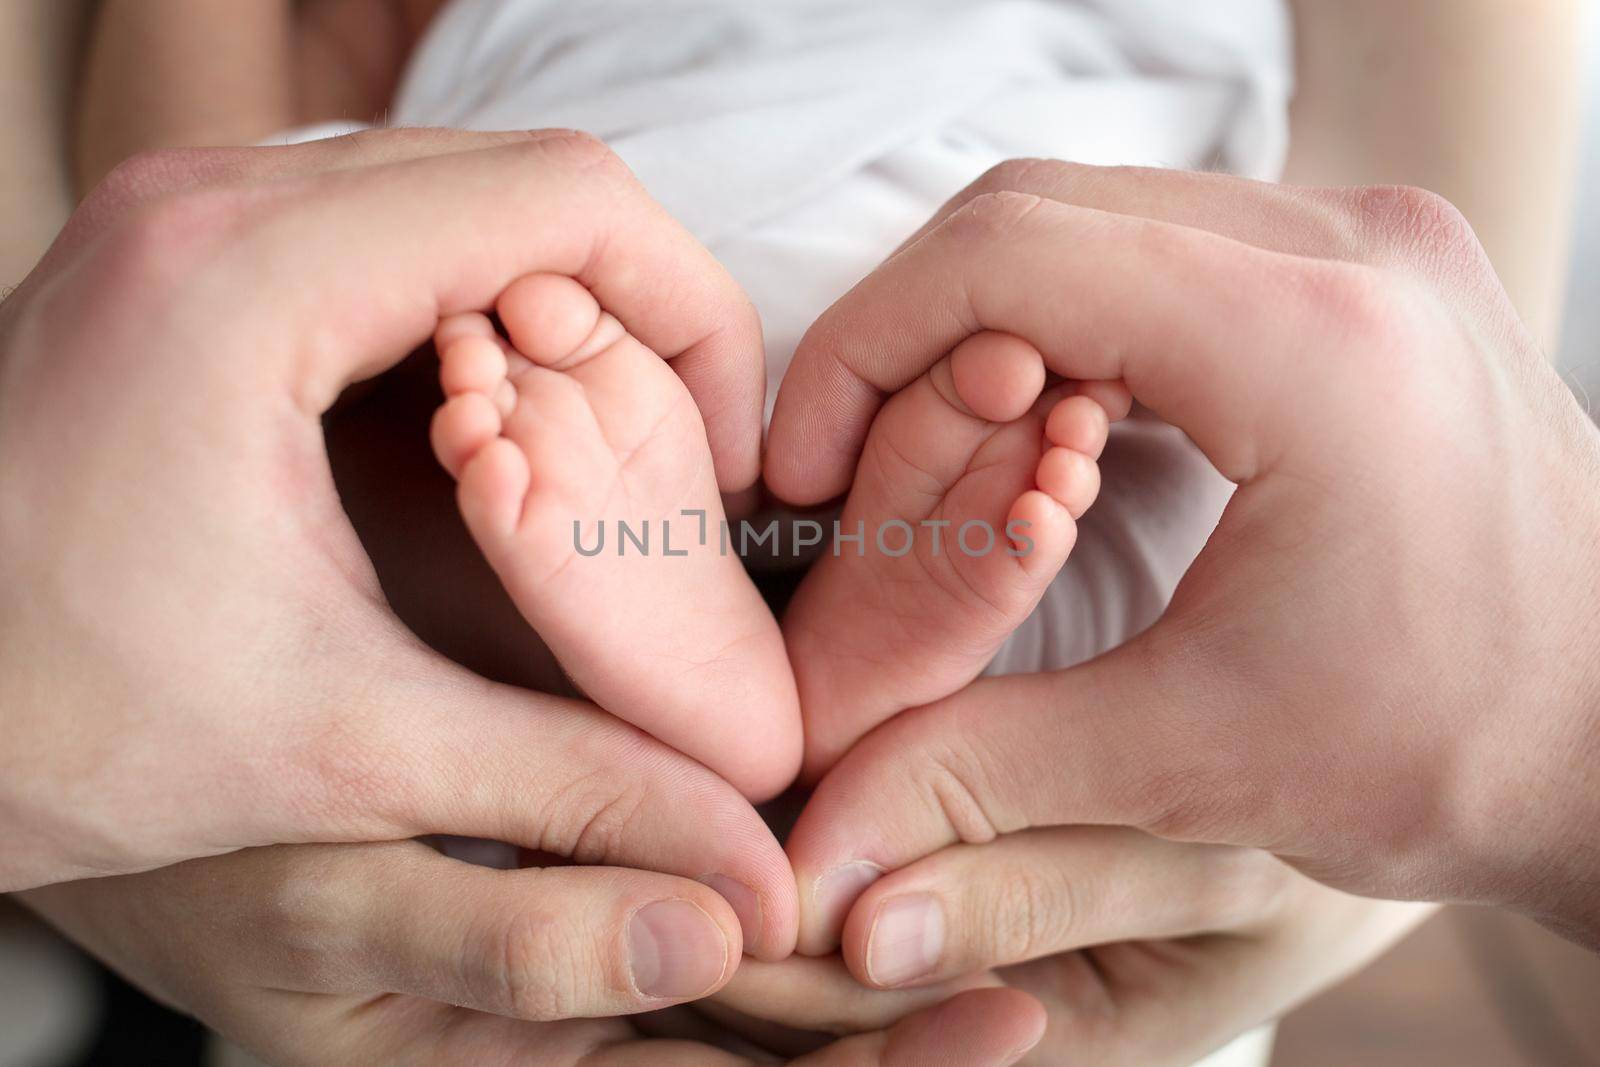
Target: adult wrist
point(1541, 837)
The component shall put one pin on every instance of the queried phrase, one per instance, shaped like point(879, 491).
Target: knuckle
point(148, 174)
point(534, 963)
point(1418, 232)
point(583, 152)
point(1019, 175)
point(163, 240)
point(593, 817)
point(311, 921)
point(992, 216)
point(1029, 915)
point(957, 780)
point(1410, 216)
point(1183, 810)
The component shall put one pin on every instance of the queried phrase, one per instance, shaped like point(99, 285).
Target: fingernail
point(838, 889)
point(675, 950)
point(745, 904)
point(906, 939)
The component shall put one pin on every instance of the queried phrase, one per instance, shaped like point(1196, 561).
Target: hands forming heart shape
point(251, 726)
point(964, 511)
point(568, 427)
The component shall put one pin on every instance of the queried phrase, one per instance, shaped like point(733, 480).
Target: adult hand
point(393, 954)
point(195, 654)
point(1382, 667)
point(1141, 950)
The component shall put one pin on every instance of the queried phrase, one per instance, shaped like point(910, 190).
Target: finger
point(149, 176)
point(1374, 225)
point(982, 1028)
point(444, 234)
point(1413, 230)
point(994, 377)
point(688, 1023)
point(1079, 423)
point(1282, 218)
point(539, 943)
point(1127, 1003)
point(1113, 397)
point(424, 747)
point(1008, 754)
point(369, 920)
point(1043, 892)
point(399, 1031)
point(993, 1031)
point(821, 995)
point(1176, 312)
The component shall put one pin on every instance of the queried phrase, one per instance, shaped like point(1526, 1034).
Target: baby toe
point(1113, 396)
point(461, 427)
point(493, 485)
point(453, 328)
point(472, 364)
point(551, 318)
point(997, 376)
point(1042, 533)
point(1071, 478)
point(1080, 424)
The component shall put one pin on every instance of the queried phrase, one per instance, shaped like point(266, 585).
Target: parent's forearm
point(1476, 100)
point(168, 73)
point(39, 45)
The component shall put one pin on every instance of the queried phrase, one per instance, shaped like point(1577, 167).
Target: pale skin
point(348, 728)
point(573, 426)
point(1488, 119)
point(1492, 203)
point(1365, 411)
point(391, 954)
point(871, 633)
point(570, 420)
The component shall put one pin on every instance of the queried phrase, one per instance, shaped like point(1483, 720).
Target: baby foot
point(967, 495)
point(561, 437)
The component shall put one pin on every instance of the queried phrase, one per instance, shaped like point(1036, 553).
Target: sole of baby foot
point(977, 474)
point(586, 480)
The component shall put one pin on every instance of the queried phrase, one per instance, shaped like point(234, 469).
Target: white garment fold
point(802, 140)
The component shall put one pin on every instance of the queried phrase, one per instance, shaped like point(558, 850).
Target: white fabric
point(802, 140)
